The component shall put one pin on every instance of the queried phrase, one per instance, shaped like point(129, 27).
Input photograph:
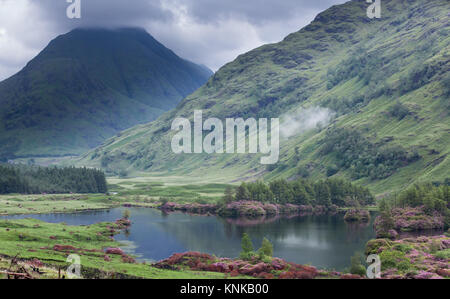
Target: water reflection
point(323, 241)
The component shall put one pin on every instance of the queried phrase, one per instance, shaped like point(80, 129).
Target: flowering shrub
point(64, 248)
point(411, 219)
point(194, 208)
point(275, 268)
point(419, 258)
point(123, 223)
point(245, 209)
point(116, 251)
point(356, 215)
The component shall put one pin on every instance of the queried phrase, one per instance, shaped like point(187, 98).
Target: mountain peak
point(93, 82)
point(385, 80)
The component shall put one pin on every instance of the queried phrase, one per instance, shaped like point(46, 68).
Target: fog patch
point(305, 120)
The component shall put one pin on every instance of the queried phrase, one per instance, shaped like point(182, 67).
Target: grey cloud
point(211, 32)
point(105, 13)
point(254, 11)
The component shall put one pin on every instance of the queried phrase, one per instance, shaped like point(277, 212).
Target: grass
point(406, 37)
point(30, 239)
point(62, 203)
point(143, 191)
point(42, 204)
point(140, 191)
point(153, 189)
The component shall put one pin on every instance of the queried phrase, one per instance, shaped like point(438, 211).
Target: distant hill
point(86, 86)
point(384, 82)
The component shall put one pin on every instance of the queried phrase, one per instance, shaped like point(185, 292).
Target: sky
point(209, 32)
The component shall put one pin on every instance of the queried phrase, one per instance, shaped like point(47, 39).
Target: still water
point(323, 241)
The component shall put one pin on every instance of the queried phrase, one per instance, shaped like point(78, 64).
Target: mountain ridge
point(385, 79)
point(90, 84)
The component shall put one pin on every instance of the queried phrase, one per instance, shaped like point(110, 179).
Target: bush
point(443, 254)
point(394, 259)
point(303, 172)
point(403, 248)
point(123, 173)
point(126, 214)
point(417, 77)
point(163, 200)
point(332, 170)
point(399, 111)
point(362, 157)
point(356, 265)
point(266, 248)
point(246, 243)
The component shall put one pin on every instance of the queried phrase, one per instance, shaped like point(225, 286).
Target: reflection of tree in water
point(323, 240)
point(355, 229)
point(228, 228)
point(164, 214)
point(358, 230)
point(251, 221)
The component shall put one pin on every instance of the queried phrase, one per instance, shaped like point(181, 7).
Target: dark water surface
point(322, 241)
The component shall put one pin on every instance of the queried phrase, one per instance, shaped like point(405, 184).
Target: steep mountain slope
point(87, 85)
point(385, 80)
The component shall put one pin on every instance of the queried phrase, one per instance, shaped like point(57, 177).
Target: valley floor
point(33, 249)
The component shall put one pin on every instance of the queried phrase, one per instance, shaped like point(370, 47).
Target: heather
point(357, 215)
point(193, 208)
point(410, 219)
point(254, 208)
point(251, 263)
point(270, 268)
point(32, 246)
point(417, 258)
point(245, 209)
point(385, 80)
point(421, 207)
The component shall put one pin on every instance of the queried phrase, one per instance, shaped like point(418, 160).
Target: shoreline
point(103, 203)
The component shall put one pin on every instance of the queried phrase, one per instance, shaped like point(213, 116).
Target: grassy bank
point(31, 240)
point(183, 192)
point(144, 191)
point(413, 258)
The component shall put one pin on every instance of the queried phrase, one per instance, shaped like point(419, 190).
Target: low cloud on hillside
point(210, 32)
point(304, 120)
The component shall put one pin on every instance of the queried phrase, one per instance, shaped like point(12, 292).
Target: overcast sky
point(210, 32)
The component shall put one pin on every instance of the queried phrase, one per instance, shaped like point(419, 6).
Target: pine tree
point(266, 248)
point(323, 194)
point(246, 243)
point(229, 196)
point(242, 193)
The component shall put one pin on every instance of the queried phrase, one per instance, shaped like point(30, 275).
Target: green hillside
point(86, 86)
point(385, 82)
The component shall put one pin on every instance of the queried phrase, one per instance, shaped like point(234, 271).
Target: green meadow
point(31, 239)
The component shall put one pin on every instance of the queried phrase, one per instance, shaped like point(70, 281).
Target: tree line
point(328, 192)
point(432, 196)
point(35, 180)
point(364, 158)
